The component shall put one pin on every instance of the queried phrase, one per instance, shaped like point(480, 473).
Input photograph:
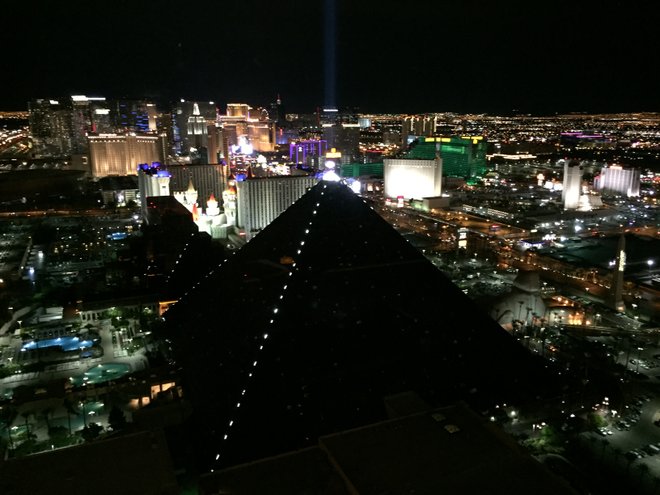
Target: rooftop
point(448, 450)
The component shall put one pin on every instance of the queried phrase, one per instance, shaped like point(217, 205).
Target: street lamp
point(650, 262)
point(514, 416)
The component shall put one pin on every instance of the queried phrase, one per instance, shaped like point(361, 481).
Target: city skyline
point(428, 57)
point(216, 282)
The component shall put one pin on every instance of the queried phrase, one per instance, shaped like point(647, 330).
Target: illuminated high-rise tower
point(190, 120)
point(134, 115)
point(235, 123)
point(618, 180)
point(197, 136)
point(218, 146)
point(82, 108)
point(60, 127)
point(50, 127)
point(616, 291)
point(152, 181)
point(277, 112)
point(572, 185)
point(196, 123)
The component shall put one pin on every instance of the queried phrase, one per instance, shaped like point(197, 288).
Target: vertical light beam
point(330, 58)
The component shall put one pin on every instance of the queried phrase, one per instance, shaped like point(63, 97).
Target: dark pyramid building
point(306, 329)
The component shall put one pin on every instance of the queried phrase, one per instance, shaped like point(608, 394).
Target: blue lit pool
point(67, 343)
point(101, 373)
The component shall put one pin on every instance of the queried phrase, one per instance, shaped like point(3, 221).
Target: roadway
point(438, 220)
point(56, 213)
point(15, 145)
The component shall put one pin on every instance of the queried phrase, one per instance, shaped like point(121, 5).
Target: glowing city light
point(330, 174)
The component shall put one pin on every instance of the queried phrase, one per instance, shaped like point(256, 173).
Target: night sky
point(465, 56)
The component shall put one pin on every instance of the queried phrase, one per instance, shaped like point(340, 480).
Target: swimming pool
point(67, 343)
point(101, 373)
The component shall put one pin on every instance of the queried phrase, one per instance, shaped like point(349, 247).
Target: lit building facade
point(82, 111)
point(243, 125)
point(260, 201)
point(102, 121)
point(50, 127)
point(60, 127)
point(196, 125)
point(240, 110)
point(261, 136)
point(218, 144)
point(119, 190)
point(114, 154)
point(196, 136)
point(462, 156)
point(618, 180)
point(415, 126)
point(345, 137)
point(152, 181)
point(572, 185)
point(188, 198)
point(190, 120)
point(209, 180)
point(313, 148)
point(210, 219)
point(410, 178)
point(134, 116)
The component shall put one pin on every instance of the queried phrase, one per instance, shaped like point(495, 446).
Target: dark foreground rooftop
point(448, 450)
point(131, 464)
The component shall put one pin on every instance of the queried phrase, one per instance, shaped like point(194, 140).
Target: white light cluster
point(330, 174)
point(265, 335)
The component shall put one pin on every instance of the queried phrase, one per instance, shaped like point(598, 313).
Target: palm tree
point(7, 416)
point(544, 337)
point(604, 444)
point(26, 415)
point(643, 469)
point(45, 413)
point(592, 440)
point(656, 484)
point(116, 418)
point(68, 405)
